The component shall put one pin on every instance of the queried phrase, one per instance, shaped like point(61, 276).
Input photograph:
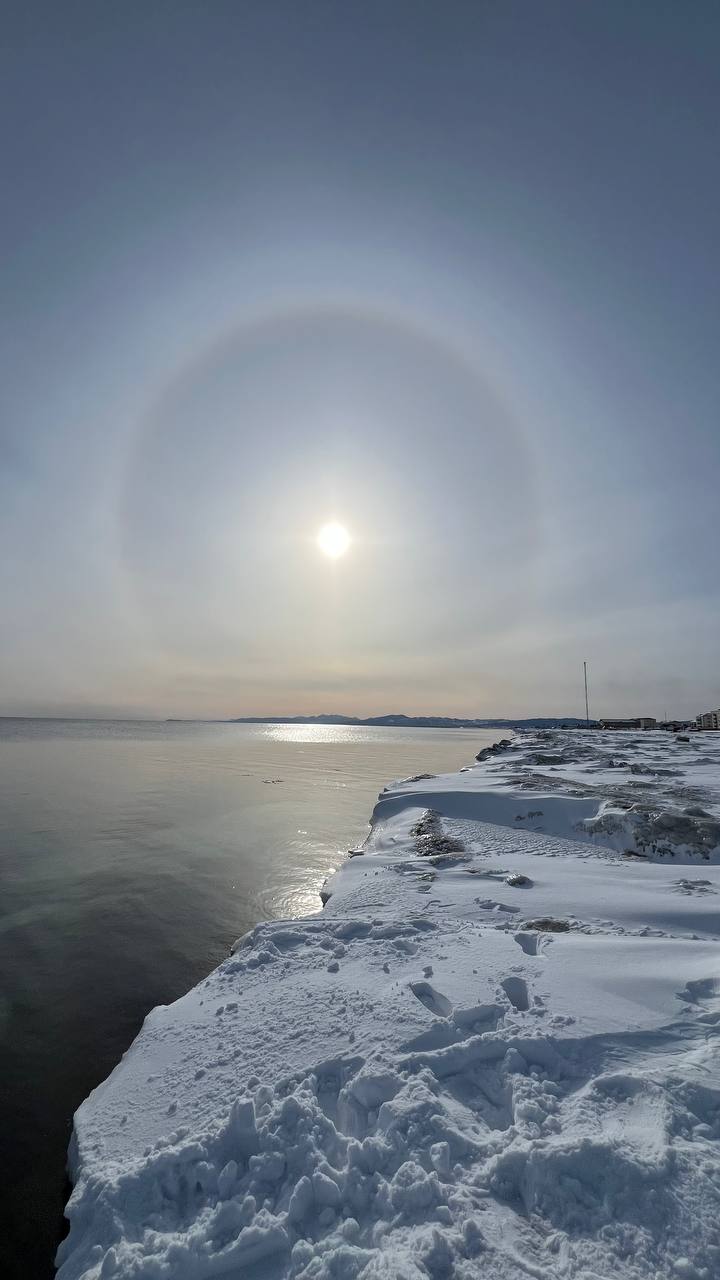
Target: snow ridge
point(494, 1052)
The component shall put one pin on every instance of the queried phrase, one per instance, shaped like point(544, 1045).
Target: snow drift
point(494, 1052)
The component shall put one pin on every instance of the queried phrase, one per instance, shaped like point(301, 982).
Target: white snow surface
point(494, 1053)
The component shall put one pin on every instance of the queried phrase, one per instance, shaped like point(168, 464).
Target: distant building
point(708, 720)
point(641, 722)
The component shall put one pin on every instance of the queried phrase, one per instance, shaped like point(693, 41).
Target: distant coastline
point(418, 722)
point(396, 721)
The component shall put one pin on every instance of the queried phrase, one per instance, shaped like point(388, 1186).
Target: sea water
point(132, 855)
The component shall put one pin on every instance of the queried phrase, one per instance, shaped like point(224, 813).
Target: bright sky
point(444, 274)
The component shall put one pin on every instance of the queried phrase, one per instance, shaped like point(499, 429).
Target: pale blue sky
point(445, 272)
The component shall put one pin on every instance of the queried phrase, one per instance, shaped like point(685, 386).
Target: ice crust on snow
point(494, 1052)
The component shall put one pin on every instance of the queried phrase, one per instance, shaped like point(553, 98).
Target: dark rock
point(546, 924)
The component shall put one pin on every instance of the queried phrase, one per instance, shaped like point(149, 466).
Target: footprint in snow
point(517, 993)
point(401, 944)
point(433, 1000)
point(528, 942)
point(533, 944)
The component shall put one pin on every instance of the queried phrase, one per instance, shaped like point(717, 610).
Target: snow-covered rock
point(494, 1052)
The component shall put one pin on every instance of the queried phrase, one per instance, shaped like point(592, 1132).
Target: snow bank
point(494, 1052)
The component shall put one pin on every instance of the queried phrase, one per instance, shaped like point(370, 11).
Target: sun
point(333, 540)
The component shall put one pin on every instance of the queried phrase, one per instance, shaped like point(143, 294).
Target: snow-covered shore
point(493, 1053)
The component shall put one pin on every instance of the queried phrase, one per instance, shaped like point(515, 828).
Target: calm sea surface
point(132, 854)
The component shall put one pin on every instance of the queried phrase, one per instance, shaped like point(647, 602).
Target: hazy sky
point(445, 272)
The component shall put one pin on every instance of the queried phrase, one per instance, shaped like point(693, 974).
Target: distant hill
point(421, 722)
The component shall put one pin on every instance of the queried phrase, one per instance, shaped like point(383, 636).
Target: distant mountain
point(421, 722)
